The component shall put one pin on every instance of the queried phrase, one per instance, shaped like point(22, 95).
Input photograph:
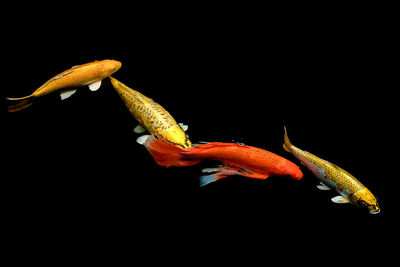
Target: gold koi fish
point(333, 177)
point(88, 74)
point(152, 116)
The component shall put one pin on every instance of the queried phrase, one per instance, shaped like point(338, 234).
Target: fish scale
point(330, 174)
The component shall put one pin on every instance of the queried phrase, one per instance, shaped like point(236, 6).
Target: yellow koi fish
point(334, 177)
point(152, 117)
point(88, 74)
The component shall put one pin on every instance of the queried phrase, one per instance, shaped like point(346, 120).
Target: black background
point(73, 168)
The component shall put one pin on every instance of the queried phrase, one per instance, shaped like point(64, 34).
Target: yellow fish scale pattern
point(329, 173)
point(152, 115)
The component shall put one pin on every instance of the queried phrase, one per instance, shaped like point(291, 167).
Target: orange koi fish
point(88, 74)
point(239, 159)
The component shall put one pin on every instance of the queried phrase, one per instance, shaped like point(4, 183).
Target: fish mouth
point(375, 211)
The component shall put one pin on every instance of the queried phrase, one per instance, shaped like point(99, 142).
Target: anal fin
point(67, 94)
point(225, 171)
point(323, 187)
point(340, 200)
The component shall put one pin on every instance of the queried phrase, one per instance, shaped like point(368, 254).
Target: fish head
point(111, 66)
point(365, 199)
point(175, 135)
point(294, 171)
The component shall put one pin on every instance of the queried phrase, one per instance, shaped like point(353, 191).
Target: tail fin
point(18, 104)
point(287, 144)
point(167, 154)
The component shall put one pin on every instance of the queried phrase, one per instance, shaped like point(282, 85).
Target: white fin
point(67, 94)
point(139, 129)
point(210, 170)
point(142, 140)
point(340, 200)
point(184, 127)
point(207, 179)
point(323, 187)
point(95, 86)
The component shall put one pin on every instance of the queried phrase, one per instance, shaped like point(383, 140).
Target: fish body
point(333, 177)
point(68, 81)
point(239, 159)
point(152, 116)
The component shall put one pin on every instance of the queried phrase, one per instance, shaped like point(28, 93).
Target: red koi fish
point(239, 159)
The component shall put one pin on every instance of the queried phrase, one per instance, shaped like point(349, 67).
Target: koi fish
point(239, 159)
point(88, 74)
point(334, 177)
point(152, 116)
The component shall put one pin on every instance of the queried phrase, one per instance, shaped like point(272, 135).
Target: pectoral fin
point(184, 127)
point(340, 200)
point(142, 140)
point(139, 129)
point(95, 86)
point(67, 94)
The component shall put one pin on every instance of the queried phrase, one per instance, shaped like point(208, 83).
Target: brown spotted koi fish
point(68, 81)
point(333, 177)
point(152, 117)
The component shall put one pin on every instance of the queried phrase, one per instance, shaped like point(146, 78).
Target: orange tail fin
point(20, 103)
point(167, 154)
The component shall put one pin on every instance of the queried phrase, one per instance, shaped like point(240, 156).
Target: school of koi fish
point(169, 144)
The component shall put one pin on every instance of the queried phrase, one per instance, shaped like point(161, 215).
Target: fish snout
point(116, 65)
point(374, 209)
point(375, 212)
point(298, 175)
point(111, 66)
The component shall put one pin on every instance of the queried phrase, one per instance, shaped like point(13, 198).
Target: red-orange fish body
point(238, 159)
point(243, 160)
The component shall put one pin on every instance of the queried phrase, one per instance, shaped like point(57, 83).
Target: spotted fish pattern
point(151, 115)
point(333, 177)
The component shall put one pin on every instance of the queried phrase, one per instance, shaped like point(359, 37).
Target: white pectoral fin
point(340, 200)
point(323, 187)
point(142, 140)
point(139, 129)
point(184, 126)
point(67, 94)
point(95, 86)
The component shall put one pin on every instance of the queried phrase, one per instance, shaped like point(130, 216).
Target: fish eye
point(362, 203)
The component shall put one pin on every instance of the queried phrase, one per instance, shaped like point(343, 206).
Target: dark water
point(74, 166)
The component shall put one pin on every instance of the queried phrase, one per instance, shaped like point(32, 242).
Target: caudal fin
point(17, 104)
point(287, 144)
point(167, 154)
